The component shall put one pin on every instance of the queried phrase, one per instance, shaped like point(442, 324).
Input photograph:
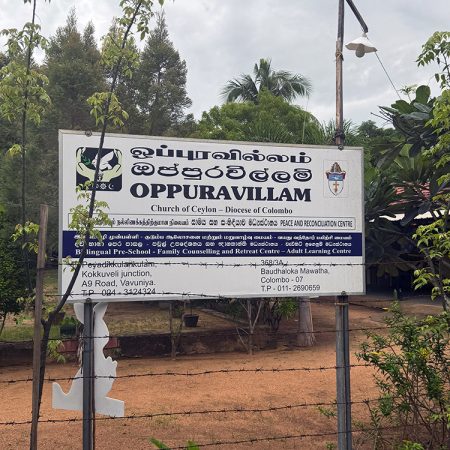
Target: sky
point(222, 39)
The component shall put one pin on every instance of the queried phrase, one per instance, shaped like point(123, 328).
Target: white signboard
point(211, 218)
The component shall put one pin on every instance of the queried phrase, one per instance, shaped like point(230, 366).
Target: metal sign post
point(342, 335)
point(88, 376)
point(343, 396)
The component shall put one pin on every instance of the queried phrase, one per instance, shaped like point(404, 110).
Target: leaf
point(415, 149)
point(417, 115)
point(425, 207)
point(422, 94)
point(15, 150)
point(410, 215)
point(192, 446)
point(389, 110)
point(387, 159)
point(403, 107)
point(159, 444)
point(423, 108)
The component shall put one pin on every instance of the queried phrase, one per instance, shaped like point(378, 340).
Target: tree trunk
point(2, 324)
point(26, 94)
point(305, 330)
point(42, 243)
point(44, 345)
point(47, 324)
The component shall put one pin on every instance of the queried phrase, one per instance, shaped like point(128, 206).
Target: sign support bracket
point(88, 376)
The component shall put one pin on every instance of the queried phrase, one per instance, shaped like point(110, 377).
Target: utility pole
point(340, 136)
point(343, 397)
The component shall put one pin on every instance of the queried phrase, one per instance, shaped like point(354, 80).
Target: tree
point(410, 120)
point(9, 191)
point(127, 88)
point(280, 83)
point(433, 239)
point(72, 65)
point(399, 181)
point(161, 82)
point(270, 119)
point(418, 164)
point(23, 100)
point(351, 133)
point(117, 58)
point(412, 359)
point(252, 308)
point(389, 246)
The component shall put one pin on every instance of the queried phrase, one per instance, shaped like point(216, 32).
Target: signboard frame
point(166, 295)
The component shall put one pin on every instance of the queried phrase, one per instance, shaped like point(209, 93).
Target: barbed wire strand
point(278, 438)
point(283, 438)
point(196, 412)
point(230, 332)
point(193, 374)
point(143, 264)
point(323, 299)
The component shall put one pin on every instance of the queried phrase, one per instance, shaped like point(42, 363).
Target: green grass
point(50, 285)
point(153, 320)
point(21, 332)
point(157, 322)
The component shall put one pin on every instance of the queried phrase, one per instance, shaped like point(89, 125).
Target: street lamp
point(344, 414)
point(361, 46)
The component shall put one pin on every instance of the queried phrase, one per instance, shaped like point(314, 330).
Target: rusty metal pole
point(339, 136)
point(88, 376)
point(343, 394)
point(342, 333)
point(342, 325)
point(339, 133)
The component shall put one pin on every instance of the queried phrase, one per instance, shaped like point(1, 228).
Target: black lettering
point(139, 190)
point(302, 195)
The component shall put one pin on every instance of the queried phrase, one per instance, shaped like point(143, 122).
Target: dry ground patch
point(159, 394)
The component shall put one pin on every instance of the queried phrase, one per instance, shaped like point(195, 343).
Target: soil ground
point(159, 394)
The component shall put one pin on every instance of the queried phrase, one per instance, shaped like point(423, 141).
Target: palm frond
point(240, 89)
point(280, 83)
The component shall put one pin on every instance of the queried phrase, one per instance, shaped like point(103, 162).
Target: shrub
point(12, 280)
point(413, 376)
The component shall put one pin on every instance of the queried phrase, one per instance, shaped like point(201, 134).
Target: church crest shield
point(336, 179)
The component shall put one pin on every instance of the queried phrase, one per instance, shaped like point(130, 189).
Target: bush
point(68, 326)
point(12, 280)
point(413, 376)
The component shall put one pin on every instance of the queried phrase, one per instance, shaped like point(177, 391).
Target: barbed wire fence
point(214, 411)
point(241, 442)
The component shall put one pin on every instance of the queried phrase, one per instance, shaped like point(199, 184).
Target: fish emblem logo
point(110, 175)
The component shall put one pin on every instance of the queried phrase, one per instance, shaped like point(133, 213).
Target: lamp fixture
point(361, 46)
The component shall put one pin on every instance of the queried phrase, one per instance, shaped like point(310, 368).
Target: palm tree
point(280, 83)
point(328, 133)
